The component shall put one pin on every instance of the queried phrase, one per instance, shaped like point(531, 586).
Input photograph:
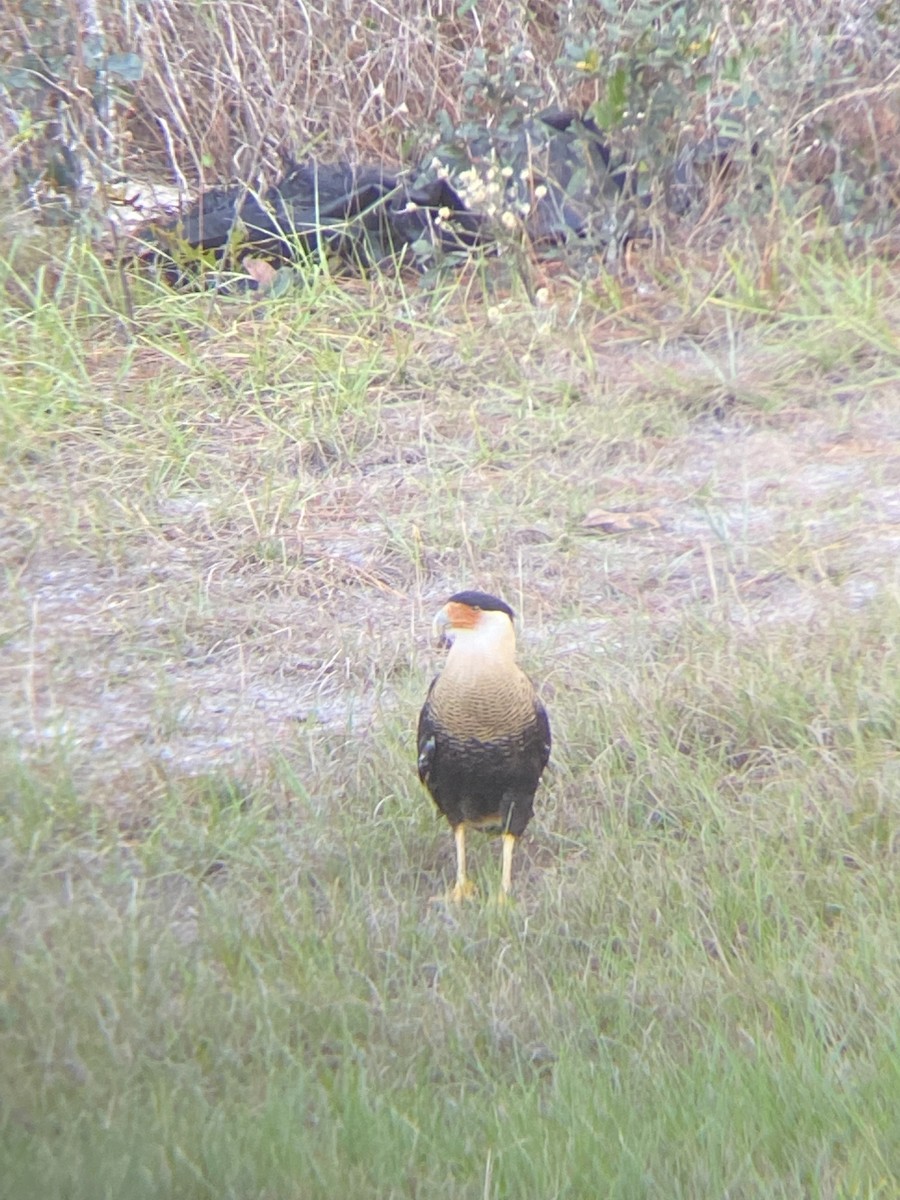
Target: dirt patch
point(206, 637)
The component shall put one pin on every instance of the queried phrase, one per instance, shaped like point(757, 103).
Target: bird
point(483, 734)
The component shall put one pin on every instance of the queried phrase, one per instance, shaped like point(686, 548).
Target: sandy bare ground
point(192, 635)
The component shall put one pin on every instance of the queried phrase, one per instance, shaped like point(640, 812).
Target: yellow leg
point(464, 886)
point(509, 844)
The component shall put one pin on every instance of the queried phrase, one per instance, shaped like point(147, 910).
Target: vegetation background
point(227, 518)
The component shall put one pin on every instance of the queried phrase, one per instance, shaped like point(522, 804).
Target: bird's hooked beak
point(440, 629)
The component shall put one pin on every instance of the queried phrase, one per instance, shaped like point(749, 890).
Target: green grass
point(227, 525)
point(251, 995)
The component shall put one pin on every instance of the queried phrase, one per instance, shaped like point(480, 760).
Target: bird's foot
point(464, 889)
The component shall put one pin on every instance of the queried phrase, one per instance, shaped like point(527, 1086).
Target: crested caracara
point(484, 736)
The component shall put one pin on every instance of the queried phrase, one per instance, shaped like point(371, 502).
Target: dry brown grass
point(363, 80)
point(811, 92)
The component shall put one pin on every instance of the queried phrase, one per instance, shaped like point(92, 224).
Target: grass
point(227, 524)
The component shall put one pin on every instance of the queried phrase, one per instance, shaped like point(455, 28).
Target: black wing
point(425, 737)
point(543, 728)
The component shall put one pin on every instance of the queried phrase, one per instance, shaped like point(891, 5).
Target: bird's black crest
point(483, 601)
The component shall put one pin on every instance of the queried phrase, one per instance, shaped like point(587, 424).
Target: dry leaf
point(622, 520)
point(862, 448)
point(264, 273)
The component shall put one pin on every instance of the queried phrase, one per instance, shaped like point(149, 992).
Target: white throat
point(491, 641)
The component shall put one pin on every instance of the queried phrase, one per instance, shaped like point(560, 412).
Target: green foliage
point(704, 113)
point(689, 92)
point(654, 58)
